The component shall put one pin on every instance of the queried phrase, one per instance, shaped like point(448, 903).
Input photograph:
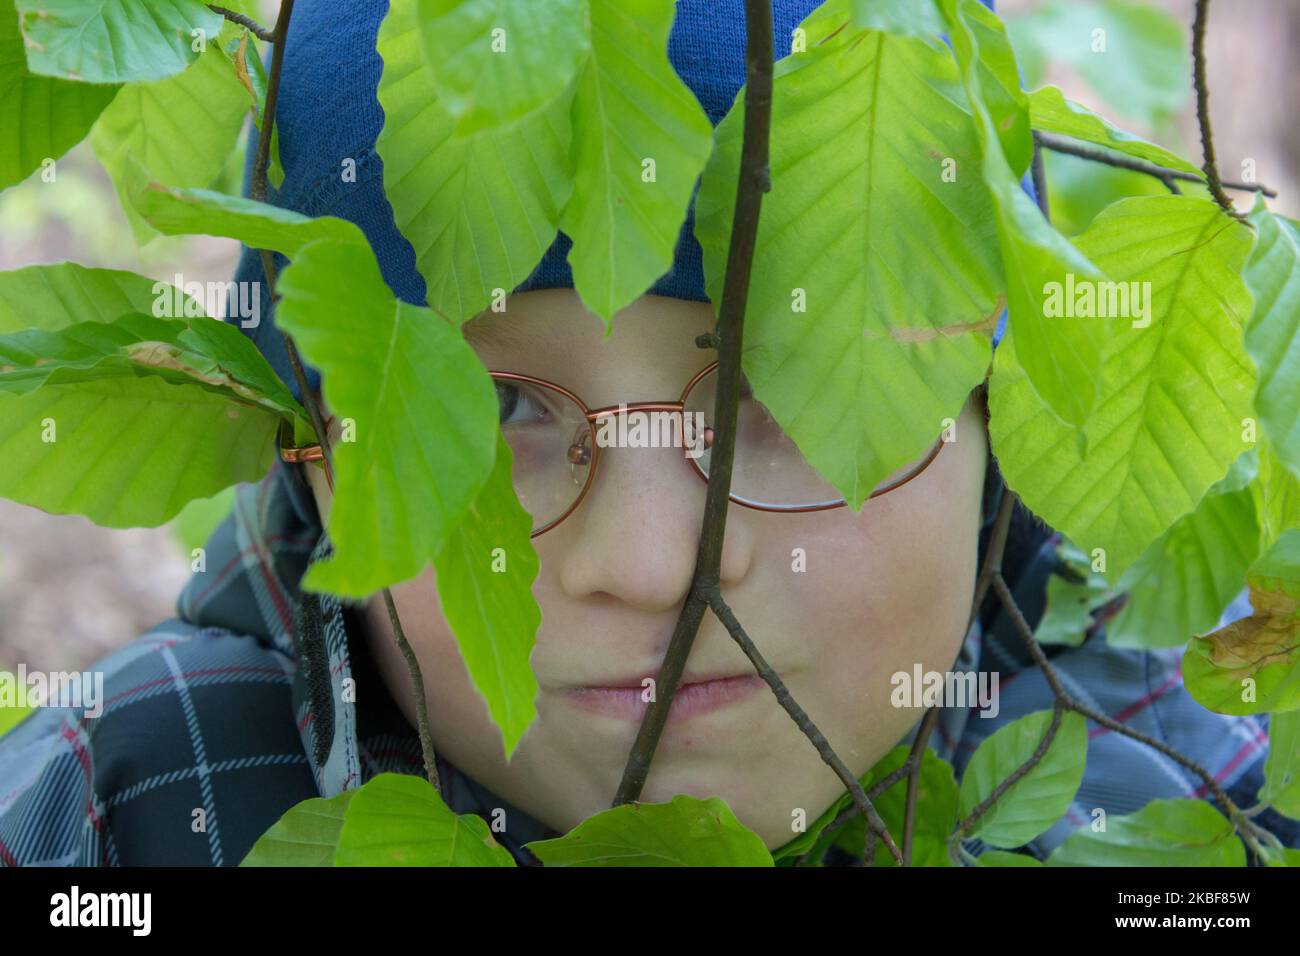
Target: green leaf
point(1277, 496)
point(307, 834)
point(1139, 63)
point(1184, 580)
point(180, 130)
point(493, 61)
point(1252, 665)
point(197, 521)
point(936, 811)
point(114, 41)
point(54, 297)
point(1039, 798)
point(630, 106)
point(1051, 112)
point(1163, 833)
point(1072, 596)
point(1281, 788)
point(399, 820)
point(485, 576)
point(479, 210)
point(43, 118)
point(1004, 858)
point(884, 349)
point(684, 832)
point(1273, 333)
point(906, 17)
point(1171, 395)
point(11, 715)
point(1079, 189)
point(1061, 354)
point(176, 212)
point(425, 413)
point(129, 451)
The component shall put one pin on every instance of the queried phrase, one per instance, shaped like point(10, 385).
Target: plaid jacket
point(218, 721)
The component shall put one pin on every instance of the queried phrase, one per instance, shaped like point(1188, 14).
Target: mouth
point(694, 697)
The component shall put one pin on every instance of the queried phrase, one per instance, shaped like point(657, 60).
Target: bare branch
point(1059, 144)
point(752, 182)
point(1203, 110)
point(247, 22)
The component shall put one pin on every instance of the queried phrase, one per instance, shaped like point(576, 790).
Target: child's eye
point(518, 406)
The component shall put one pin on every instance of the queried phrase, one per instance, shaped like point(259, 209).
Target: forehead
point(549, 333)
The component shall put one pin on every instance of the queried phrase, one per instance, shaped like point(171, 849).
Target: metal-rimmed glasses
point(556, 440)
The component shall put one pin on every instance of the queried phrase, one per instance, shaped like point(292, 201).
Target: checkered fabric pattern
point(230, 713)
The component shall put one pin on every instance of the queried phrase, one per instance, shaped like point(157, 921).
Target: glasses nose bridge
point(612, 411)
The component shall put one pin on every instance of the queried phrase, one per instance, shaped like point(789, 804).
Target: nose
point(636, 535)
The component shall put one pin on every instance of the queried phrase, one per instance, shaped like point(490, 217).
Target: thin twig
point(914, 759)
point(1044, 744)
point(1069, 702)
point(257, 191)
point(421, 705)
point(1059, 144)
point(752, 182)
point(247, 22)
point(1203, 110)
point(803, 721)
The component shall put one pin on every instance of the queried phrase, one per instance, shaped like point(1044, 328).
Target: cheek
point(890, 587)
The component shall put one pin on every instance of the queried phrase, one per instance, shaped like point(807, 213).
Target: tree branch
point(803, 721)
point(1059, 144)
point(1203, 110)
point(257, 191)
point(752, 182)
point(248, 23)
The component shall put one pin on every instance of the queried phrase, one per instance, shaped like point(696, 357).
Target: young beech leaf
point(685, 831)
point(1281, 788)
point(1273, 333)
point(1051, 112)
point(1252, 666)
point(875, 286)
point(907, 17)
point(1184, 579)
point(1167, 832)
point(128, 451)
point(399, 820)
point(479, 210)
point(53, 297)
point(936, 811)
point(494, 61)
point(42, 117)
point(114, 41)
point(630, 105)
point(201, 351)
point(1172, 393)
point(141, 123)
point(1039, 798)
point(1061, 351)
point(424, 409)
point(485, 575)
point(175, 212)
point(307, 834)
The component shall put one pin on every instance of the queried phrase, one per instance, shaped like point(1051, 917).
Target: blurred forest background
point(70, 592)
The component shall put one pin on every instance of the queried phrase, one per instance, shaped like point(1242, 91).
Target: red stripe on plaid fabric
point(1142, 702)
point(83, 758)
point(1247, 749)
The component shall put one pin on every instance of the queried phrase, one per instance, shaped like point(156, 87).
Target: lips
point(694, 697)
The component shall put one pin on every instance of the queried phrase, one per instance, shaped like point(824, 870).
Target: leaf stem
point(257, 191)
point(752, 182)
point(247, 22)
point(1059, 144)
point(1203, 110)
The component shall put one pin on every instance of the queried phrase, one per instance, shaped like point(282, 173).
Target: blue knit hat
point(328, 111)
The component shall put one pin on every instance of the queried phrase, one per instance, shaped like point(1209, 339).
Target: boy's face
point(884, 590)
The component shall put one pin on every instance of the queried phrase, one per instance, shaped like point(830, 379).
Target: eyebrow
point(504, 335)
